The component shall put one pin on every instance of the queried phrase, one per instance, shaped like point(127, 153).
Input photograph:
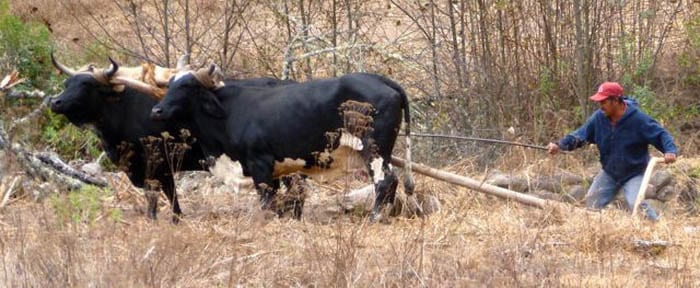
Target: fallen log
point(472, 184)
point(55, 162)
point(47, 166)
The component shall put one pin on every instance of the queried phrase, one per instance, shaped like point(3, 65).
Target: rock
point(578, 192)
point(194, 182)
point(92, 169)
point(660, 179)
point(430, 203)
point(544, 194)
point(667, 193)
point(552, 183)
point(662, 186)
point(231, 174)
point(362, 198)
point(510, 182)
point(556, 183)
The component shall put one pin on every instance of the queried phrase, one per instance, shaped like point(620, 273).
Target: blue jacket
point(624, 148)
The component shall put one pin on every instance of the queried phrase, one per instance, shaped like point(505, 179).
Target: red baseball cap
point(607, 90)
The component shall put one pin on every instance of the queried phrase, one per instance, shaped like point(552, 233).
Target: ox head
point(190, 90)
point(83, 90)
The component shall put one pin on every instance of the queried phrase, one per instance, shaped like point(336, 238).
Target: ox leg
point(151, 189)
point(267, 195)
point(295, 195)
point(151, 204)
point(171, 194)
point(261, 171)
point(385, 184)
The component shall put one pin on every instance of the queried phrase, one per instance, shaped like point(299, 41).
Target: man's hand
point(669, 158)
point(552, 148)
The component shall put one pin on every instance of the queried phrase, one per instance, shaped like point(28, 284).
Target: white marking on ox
point(377, 171)
point(345, 159)
point(349, 140)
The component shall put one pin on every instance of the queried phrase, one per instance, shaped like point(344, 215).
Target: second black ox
point(307, 127)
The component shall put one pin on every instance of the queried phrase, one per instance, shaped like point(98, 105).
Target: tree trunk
point(455, 51)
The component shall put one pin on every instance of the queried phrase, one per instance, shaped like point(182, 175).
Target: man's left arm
point(661, 139)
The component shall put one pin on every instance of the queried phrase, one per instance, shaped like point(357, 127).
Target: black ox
point(121, 119)
point(306, 127)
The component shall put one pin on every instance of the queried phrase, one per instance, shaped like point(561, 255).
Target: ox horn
point(109, 72)
point(140, 86)
point(212, 69)
point(217, 77)
point(61, 67)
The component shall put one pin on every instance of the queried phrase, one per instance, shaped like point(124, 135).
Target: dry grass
point(476, 240)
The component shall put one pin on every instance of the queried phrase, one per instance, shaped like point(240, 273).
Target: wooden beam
point(472, 184)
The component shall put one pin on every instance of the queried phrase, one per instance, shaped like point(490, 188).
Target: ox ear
point(217, 76)
point(182, 62)
point(213, 107)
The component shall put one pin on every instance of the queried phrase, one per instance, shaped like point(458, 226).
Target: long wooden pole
point(472, 184)
point(485, 140)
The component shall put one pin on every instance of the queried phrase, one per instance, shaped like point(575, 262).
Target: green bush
point(83, 205)
point(27, 48)
point(690, 57)
point(68, 140)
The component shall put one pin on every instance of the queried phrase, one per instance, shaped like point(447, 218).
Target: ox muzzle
point(56, 104)
point(157, 113)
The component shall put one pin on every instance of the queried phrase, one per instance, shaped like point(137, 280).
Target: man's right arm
point(576, 139)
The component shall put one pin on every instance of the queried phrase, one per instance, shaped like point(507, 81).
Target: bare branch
point(9, 191)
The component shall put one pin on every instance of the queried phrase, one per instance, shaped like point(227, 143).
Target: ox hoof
point(376, 217)
point(266, 205)
point(176, 219)
point(298, 211)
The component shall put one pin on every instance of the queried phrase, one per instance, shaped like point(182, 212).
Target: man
point(622, 134)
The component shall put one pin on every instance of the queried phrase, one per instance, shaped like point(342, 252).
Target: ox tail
point(409, 184)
